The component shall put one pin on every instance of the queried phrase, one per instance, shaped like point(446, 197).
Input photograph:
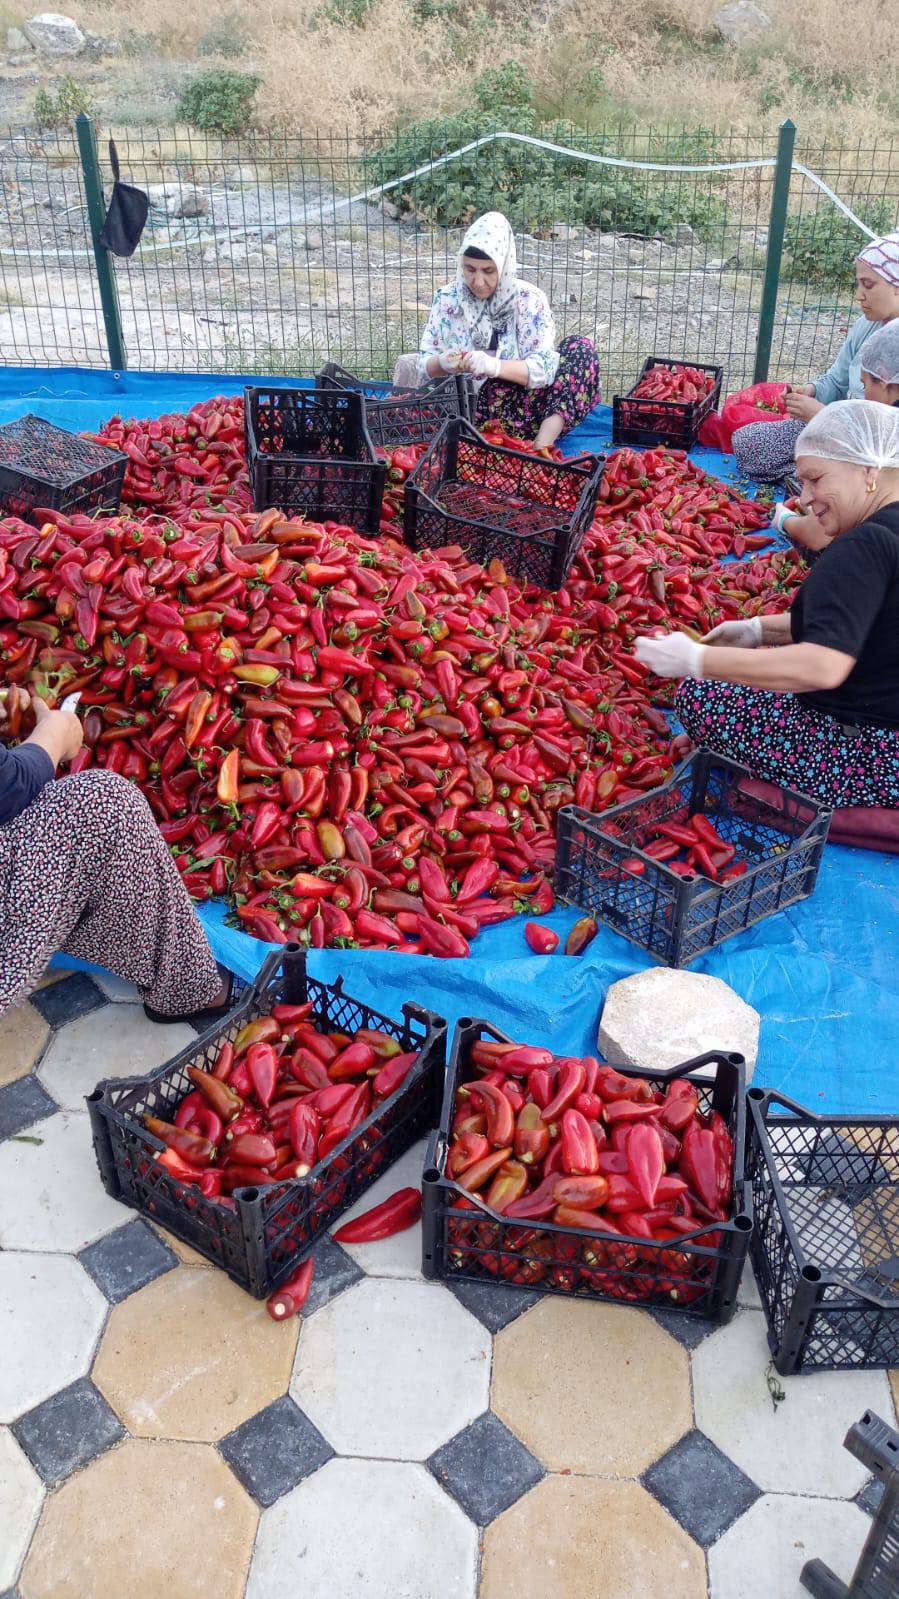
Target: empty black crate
point(530, 513)
point(310, 454)
point(401, 416)
point(271, 1228)
point(698, 1274)
point(45, 467)
point(673, 422)
point(602, 868)
point(826, 1245)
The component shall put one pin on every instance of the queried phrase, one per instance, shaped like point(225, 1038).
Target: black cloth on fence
point(127, 214)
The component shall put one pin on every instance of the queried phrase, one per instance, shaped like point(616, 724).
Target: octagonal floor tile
point(797, 1448)
point(365, 1529)
point(399, 1256)
point(51, 1196)
point(636, 1402)
point(50, 1319)
point(580, 1538)
point(392, 1369)
point(163, 1520)
point(764, 1552)
point(191, 1356)
point(23, 1034)
point(21, 1497)
point(117, 1041)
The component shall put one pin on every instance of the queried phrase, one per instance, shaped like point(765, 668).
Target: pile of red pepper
point(689, 846)
point(674, 383)
point(279, 1100)
point(597, 1153)
point(354, 743)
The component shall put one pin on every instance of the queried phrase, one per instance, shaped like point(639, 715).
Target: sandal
point(200, 1019)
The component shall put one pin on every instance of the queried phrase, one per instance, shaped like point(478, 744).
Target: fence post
point(96, 210)
point(776, 228)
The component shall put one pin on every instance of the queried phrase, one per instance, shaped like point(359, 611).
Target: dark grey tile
point(126, 1260)
point(494, 1304)
point(701, 1487)
point(688, 1330)
point(67, 1000)
point(275, 1450)
point(22, 1103)
point(10, 1593)
point(68, 1430)
point(870, 1496)
point(485, 1468)
point(334, 1272)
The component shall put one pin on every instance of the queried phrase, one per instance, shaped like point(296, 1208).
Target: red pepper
point(542, 940)
point(646, 1160)
point(393, 1215)
point(289, 1299)
point(582, 933)
point(580, 1155)
point(570, 1083)
point(262, 1064)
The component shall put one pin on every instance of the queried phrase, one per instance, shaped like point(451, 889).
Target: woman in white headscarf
point(500, 331)
point(819, 709)
point(765, 450)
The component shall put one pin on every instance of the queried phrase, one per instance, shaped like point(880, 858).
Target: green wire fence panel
point(272, 255)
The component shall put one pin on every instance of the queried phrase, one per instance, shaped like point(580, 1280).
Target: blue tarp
point(823, 975)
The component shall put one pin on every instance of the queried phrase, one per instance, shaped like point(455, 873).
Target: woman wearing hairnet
point(765, 449)
point(818, 710)
point(500, 331)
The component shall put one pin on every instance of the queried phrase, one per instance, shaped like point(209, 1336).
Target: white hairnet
point(880, 353)
point(859, 431)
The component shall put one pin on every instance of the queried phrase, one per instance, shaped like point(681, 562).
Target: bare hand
point(63, 727)
point(802, 407)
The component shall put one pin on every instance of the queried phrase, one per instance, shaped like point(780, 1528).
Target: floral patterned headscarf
point(492, 234)
point(883, 256)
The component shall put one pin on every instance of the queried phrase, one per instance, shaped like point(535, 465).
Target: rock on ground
point(54, 35)
point(177, 199)
point(660, 1018)
point(742, 22)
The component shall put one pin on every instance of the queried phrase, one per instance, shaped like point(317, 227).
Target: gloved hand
point(481, 364)
point(781, 515)
point(675, 655)
point(450, 360)
point(745, 635)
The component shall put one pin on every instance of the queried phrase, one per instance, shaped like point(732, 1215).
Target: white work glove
point(746, 635)
point(675, 655)
point(450, 360)
point(781, 516)
point(481, 364)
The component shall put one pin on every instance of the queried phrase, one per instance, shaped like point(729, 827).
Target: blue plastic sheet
point(823, 975)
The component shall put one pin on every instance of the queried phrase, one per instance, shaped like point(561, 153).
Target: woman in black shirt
point(819, 711)
point(85, 869)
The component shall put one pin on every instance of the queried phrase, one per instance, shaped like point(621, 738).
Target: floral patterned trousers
point(572, 396)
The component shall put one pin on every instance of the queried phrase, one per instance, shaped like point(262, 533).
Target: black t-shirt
point(850, 602)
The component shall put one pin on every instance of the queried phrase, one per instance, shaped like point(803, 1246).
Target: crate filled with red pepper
point(565, 1175)
point(43, 467)
point(826, 1246)
point(251, 1143)
point(401, 416)
point(310, 453)
point(530, 513)
point(667, 405)
point(687, 865)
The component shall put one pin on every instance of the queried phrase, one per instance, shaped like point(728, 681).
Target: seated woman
point(84, 869)
point(819, 711)
point(501, 331)
point(880, 379)
point(765, 450)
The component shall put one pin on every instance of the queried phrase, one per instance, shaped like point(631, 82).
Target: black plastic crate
point(271, 1228)
point(780, 833)
point(826, 1245)
point(672, 422)
point(402, 416)
point(530, 513)
point(46, 467)
point(876, 1575)
point(310, 454)
point(690, 1274)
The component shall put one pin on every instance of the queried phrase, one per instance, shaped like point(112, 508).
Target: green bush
point(535, 187)
point(56, 110)
point(218, 101)
point(822, 247)
point(227, 37)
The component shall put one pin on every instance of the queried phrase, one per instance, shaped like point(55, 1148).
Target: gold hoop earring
point(870, 488)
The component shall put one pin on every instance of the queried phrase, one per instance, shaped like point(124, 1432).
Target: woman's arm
point(776, 629)
point(834, 384)
point(787, 669)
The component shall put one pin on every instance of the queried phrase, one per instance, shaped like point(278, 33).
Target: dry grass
point(830, 64)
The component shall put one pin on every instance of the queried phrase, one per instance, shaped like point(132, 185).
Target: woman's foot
point(213, 1012)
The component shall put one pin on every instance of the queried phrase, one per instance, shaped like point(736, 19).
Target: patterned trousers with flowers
point(572, 396)
point(85, 869)
point(780, 739)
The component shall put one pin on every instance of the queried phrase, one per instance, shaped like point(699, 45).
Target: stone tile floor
point(161, 1436)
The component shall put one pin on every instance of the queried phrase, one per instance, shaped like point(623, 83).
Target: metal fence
point(272, 254)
